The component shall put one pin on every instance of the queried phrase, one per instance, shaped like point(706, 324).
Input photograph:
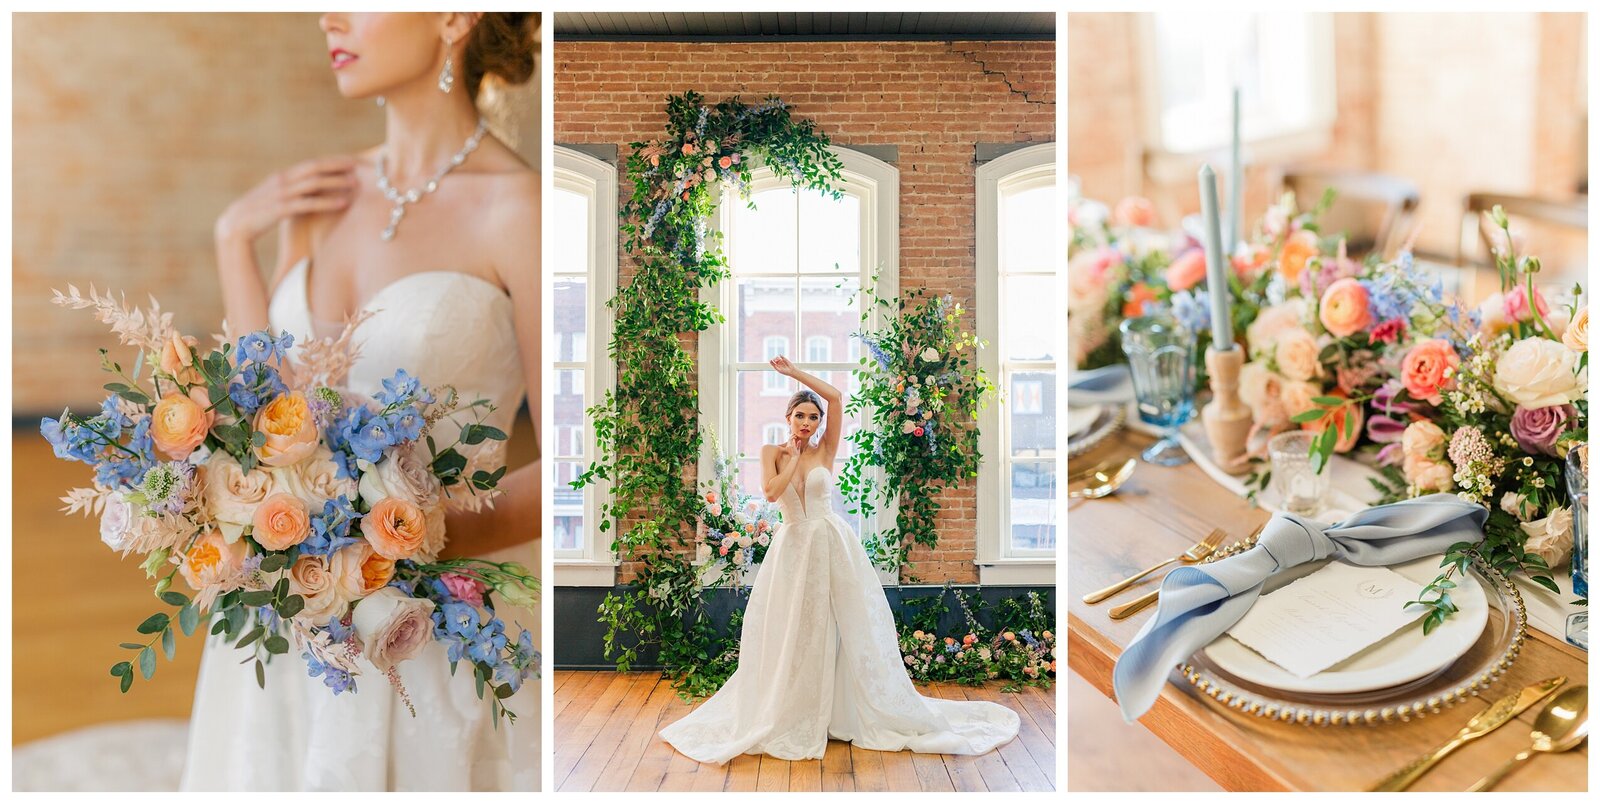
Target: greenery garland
point(920, 391)
point(647, 429)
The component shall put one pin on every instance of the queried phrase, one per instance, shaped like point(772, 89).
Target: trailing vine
point(647, 429)
point(920, 393)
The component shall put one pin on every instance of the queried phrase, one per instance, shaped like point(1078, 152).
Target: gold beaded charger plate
point(1473, 671)
point(1404, 656)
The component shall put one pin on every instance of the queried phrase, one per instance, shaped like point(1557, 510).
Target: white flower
point(738, 557)
point(315, 480)
point(231, 495)
point(930, 355)
point(1516, 505)
point(392, 627)
point(116, 523)
point(745, 541)
point(1538, 372)
point(404, 473)
point(1551, 538)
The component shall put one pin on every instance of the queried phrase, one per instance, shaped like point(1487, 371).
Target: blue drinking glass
point(1577, 473)
point(1161, 355)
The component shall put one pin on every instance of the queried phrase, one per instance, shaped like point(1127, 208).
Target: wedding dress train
point(819, 658)
point(446, 328)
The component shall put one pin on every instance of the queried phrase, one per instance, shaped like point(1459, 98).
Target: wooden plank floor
point(605, 740)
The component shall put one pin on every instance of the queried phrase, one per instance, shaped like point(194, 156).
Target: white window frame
point(827, 349)
point(996, 565)
point(774, 384)
point(768, 431)
point(877, 183)
point(594, 564)
point(1265, 139)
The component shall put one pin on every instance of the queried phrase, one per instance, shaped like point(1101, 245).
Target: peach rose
point(393, 627)
point(359, 571)
point(1187, 270)
point(395, 527)
point(290, 429)
point(1422, 439)
point(1428, 369)
point(180, 422)
point(1134, 211)
point(1272, 322)
point(211, 560)
point(1344, 310)
point(1262, 391)
point(311, 578)
point(231, 494)
point(1296, 396)
point(1296, 352)
point(1297, 250)
point(281, 522)
point(1577, 335)
point(177, 359)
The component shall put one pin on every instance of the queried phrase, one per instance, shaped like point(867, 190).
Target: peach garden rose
point(232, 494)
point(211, 560)
point(359, 571)
point(395, 528)
point(1297, 355)
point(290, 429)
point(312, 578)
point(179, 423)
point(281, 522)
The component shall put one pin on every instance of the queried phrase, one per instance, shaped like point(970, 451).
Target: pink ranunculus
point(1344, 309)
point(1390, 331)
point(1516, 302)
point(1536, 429)
point(1187, 270)
point(1429, 369)
point(464, 589)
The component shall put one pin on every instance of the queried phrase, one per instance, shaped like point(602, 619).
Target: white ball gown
point(819, 658)
point(446, 328)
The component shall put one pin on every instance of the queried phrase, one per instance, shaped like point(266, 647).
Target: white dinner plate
point(1404, 656)
point(1079, 419)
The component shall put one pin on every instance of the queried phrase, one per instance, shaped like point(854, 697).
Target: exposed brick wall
point(934, 100)
point(131, 134)
point(1458, 103)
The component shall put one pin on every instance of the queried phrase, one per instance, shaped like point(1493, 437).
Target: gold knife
point(1498, 714)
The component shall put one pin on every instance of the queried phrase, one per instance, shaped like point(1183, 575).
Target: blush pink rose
point(1344, 310)
point(1428, 369)
point(1187, 270)
point(392, 627)
point(1517, 308)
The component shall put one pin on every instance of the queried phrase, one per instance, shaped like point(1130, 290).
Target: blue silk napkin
point(1198, 603)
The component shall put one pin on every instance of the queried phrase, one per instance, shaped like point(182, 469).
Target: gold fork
point(1139, 603)
point(1195, 553)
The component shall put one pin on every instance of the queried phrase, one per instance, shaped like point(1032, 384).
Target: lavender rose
point(1536, 429)
point(392, 627)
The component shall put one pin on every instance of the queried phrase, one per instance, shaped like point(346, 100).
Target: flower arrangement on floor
point(920, 391)
point(646, 429)
point(294, 509)
point(1020, 648)
point(736, 528)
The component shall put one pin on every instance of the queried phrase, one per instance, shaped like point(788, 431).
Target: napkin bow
point(1198, 603)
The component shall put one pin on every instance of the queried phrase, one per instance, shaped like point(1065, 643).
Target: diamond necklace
point(412, 196)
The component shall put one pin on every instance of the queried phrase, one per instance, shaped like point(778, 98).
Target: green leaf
point(122, 668)
point(132, 645)
point(188, 619)
point(1329, 400)
point(147, 662)
point(258, 597)
point(276, 644)
point(1545, 582)
point(273, 562)
point(127, 680)
point(1308, 415)
point(504, 691)
point(219, 626)
point(153, 623)
point(291, 606)
point(169, 643)
point(261, 674)
point(255, 634)
point(174, 598)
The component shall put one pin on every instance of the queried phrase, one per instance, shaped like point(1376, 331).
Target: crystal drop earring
point(381, 102)
point(447, 76)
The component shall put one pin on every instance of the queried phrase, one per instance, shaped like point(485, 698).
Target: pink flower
point(1344, 309)
point(1429, 369)
point(919, 431)
point(726, 162)
point(688, 148)
point(1134, 211)
point(1517, 304)
point(1390, 331)
point(464, 589)
point(1187, 270)
point(392, 627)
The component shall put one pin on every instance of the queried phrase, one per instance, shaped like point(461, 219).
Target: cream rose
point(1261, 391)
point(231, 495)
point(311, 578)
point(1422, 445)
point(315, 480)
point(1551, 538)
point(1263, 333)
point(406, 474)
point(1538, 373)
point(393, 627)
point(1296, 396)
point(1296, 352)
point(1577, 335)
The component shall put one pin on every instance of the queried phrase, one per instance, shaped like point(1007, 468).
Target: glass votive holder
point(1161, 361)
point(1577, 476)
point(1300, 487)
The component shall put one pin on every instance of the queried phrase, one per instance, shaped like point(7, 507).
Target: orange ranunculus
point(1336, 419)
point(180, 422)
point(359, 571)
point(1187, 270)
point(1344, 309)
point(1300, 247)
point(281, 521)
point(1138, 295)
point(395, 528)
point(1428, 369)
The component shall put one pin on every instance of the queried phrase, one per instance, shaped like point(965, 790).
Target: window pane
point(762, 239)
point(570, 215)
point(1033, 508)
point(765, 314)
point(569, 533)
point(572, 315)
point(1027, 229)
point(1033, 414)
point(830, 309)
point(1029, 317)
point(568, 506)
point(568, 411)
point(830, 233)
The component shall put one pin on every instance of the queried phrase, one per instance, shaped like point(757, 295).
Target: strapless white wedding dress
point(819, 658)
point(445, 328)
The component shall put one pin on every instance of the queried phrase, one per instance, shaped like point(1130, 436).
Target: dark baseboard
point(580, 638)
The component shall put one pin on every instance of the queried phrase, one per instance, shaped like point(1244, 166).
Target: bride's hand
point(792, 447)
point(316, 185)
point(782, 365)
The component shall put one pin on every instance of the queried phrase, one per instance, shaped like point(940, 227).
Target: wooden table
point(1158, 514)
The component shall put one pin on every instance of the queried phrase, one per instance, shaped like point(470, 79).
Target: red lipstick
point(339, 58)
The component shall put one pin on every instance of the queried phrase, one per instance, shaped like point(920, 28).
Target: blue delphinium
point(1192, 309)
point(403, 389)
point(330, 529)
point(519, 664)
point(262, 346)
point(334, 678)
point(486, 644)
point(98, 442)
point(874, 349)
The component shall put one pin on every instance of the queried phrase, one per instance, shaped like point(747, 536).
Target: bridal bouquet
point(299, 513)
point(736, 527)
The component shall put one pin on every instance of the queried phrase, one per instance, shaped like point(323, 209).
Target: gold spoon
point(1561, 726)
point(1104, 481)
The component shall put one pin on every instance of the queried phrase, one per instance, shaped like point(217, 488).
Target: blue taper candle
point(1216, 263)
point(1235, 184)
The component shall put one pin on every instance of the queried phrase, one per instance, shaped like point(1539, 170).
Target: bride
point(434, 232)
point(819, 657)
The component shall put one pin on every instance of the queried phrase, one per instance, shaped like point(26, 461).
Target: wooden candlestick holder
point(1226, 418)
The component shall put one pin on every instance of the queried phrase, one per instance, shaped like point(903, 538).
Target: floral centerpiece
point(298, 512)
point(736, 527)
point(1020, 647)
